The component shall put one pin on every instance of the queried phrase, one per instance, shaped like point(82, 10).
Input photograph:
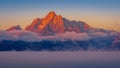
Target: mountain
point(65, 35)
point(77, 26)
point(14, 28)
point(55, 24)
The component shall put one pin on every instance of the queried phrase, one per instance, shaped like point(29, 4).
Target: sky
point(97, 13)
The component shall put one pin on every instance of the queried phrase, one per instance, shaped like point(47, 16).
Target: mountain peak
point(35, 21)
point(32, 27)
point(52, 12)
point(50, 15)
point(14, 28)
point(56, 24)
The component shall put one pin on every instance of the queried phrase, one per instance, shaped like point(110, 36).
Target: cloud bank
point(23, 40)
point(31, 36)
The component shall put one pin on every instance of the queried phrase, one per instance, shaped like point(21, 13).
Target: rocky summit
point(14, 28)
point(55, 24)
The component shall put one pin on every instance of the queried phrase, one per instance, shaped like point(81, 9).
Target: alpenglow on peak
point(53, 24)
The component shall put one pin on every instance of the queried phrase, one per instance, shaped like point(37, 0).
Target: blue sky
point(97, 13)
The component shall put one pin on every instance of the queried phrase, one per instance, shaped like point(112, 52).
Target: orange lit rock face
point(51, 24)
point(47, 20)
point(34, 25)
point(55, 24)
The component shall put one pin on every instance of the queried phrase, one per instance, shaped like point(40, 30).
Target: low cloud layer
point(24, 40)
point(30, 36)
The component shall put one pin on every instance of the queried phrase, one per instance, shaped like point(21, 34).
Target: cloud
point(68, 41)
point(73, 36)
point(98, 34)
point(31, 36)
point(18, 35)
point(5, 36)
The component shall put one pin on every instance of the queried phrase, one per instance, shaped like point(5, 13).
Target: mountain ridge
point(56, 24)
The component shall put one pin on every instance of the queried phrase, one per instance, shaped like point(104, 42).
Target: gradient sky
point(96, 13)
